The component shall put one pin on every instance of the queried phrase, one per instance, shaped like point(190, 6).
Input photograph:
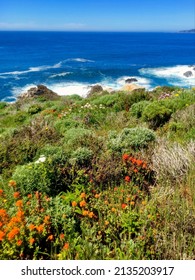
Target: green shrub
point(107, 100)
point(82, 156)
point(75, 137)
point(20, 117)
point(138, 108)
point(135, 138)
point(34, 109)
point(156, 114)
point(2, 105)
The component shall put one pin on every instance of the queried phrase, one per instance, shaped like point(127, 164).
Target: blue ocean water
point(69, 62)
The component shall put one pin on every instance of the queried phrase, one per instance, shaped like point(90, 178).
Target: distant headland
point(188, 31)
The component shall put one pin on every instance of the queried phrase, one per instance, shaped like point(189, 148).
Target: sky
point(97, 15)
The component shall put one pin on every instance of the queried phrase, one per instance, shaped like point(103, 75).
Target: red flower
point(127, 179)
point(139, 162)
point(125, 157)
point(124, 205)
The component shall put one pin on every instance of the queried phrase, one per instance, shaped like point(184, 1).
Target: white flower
point(41, 159)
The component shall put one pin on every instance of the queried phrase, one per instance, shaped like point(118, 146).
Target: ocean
point(70, 62)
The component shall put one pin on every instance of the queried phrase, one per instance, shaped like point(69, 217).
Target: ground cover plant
point(110, 176)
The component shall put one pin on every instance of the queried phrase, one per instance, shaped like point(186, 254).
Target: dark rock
point(39, 91)
point(95, 89)
point(131, 80)
point(188, 74)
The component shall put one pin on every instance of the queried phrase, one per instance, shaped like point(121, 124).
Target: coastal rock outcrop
point(130, 80)
point(95, 89)
point(39, 90)
point(188, 74)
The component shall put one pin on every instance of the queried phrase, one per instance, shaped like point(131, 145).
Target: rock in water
point(188, 74)
point(130, 80)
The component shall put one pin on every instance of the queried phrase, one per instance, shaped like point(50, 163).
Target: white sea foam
point(60, 74)
point(16, 91)
point(70, 88)
point(174, 75)
point(79, 60)
point(33, 69)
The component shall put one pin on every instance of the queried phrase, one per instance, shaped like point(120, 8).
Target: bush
point(134, 138)
point(20, 117)
point(77, 136)
point(2, 105)
point(34, 109)
point(82, 156)
point(156, 114)
point(138, 108)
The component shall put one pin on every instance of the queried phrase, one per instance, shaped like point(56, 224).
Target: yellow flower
point(106, 223)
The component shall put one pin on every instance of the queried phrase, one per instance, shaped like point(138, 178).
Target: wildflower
point(50, 237)
point(20, 214)
point(31, 241)
point(19, 242)
point(3, 213)
point(82, 195)
point(139, 162)
point(31, 226)
point(82, 203)
point(16, 194)
point(12, 183)
point(124, 205)
point(127, 179)
point(62, 235)
point(40, 228)
point(135, 170)
point(91, 214)
point(2, 234)
point(1, 192)
point(37, 195)
point(113, 209)
point(106, 202)
point(46, 219)
point(74, 204)
point(85, 213)
point(13, 233)
point(115, 189)
point(66, 246)
point(143, 202)
point(97, 195)
point(42, 158)
point(125, 157)
point(106, 223)
point(19, 203)
point(29, 195)
point(132, 203)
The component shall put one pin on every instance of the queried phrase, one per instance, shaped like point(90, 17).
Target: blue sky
point(97, 15)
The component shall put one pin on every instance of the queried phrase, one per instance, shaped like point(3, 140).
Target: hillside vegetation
point(111, 176)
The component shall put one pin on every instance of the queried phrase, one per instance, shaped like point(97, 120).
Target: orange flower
point(19, 242)
point(62, 235)
point(135, 170)
point(31, 226)
point(40, 228)
point(85, 213)
point(3, 213)
point(50, 237)
point(139, 162)
point(144, 165)
point(29, 195)
point(37, 195)
point(16, 194)
point(113, 209)
point(125, 157)
point(115, 189)
point(127, 179)
point(124, 205)
point(12, 183)
point(74, 204)
point(82, 203)
point(1, 192)
point(143, 202)
point(46, 219)
point(20, 214)
point(91, 214)
point(2, 234)
point(132, 203)
point(97, 195)
point(106, 223)
point(31, 241)
point(82, 195)
point(13, 233)
point(19, 203)
point(66, 246)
